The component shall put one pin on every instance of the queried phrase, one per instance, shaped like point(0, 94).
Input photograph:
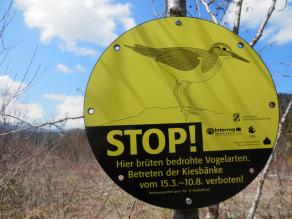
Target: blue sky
point(70, 35)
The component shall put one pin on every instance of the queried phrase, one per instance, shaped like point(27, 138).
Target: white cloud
point(79, 68)
point(8, 86)
point(254, 11)
point(82, 51)
point(281, 31)
point(67, 70)
point(69, 106)
point(76, 21)
point(30, 112)
point(63, 68)
point(57, 97)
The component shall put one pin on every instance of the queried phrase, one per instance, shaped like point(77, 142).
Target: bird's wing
point(177, 57)
point(208, 62)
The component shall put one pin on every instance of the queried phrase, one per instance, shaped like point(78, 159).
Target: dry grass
point(63, 180)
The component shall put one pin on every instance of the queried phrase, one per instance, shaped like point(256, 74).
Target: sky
point(64, 39)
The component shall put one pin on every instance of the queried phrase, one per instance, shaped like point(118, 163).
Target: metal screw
point(117, 47)
point(240, 45)
point(178, 22)
point(251, 170)
point(91, 111)
point(189, 201)
point(272, 104)
point(121, 177)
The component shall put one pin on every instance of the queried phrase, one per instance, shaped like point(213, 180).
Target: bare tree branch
point(23, 86)
point(255, 202)
point(156, 9)
point(213, 17)
point(39, 126)
point(132, 209)
point(211, 2)
point(263, 25)
point(283, 8)
point(237, 16)
point(198, 8)
point(5, 20)
point(286, 64)
point(105, 201)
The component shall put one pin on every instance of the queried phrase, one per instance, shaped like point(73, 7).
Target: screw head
point(240, 45)
point(91, 111)
point(189, 201)
point(272, 104)
point(117, 47)
point(178, 22)
point(121, 177)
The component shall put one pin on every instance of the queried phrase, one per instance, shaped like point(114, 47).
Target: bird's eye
point(224, 49)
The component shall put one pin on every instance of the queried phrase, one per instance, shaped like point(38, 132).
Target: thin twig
point(224, 8)
point(286, 64)
point(198, 8)
point(18, 119)
point(283, 8)
point(117, 210)
point(255, 202)
point(132, 209)
point(22, 87)
point(211, 2)
point(105, 201)
point(41, 125)
point(213, 17)
point(263, 25)
point(237, 16)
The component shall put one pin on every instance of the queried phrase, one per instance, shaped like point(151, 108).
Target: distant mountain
point(6, 127)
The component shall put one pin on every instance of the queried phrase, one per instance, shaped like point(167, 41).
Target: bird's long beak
point(234, 55)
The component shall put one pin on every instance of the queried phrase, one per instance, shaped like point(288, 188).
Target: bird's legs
point(176, 94)
point(181, 92)
point(192, 107)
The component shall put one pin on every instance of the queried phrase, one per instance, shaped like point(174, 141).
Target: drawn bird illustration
point(188, 65)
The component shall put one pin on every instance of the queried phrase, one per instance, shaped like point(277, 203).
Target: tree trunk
point(186, 214)
point(177, 8)
point(212, 212)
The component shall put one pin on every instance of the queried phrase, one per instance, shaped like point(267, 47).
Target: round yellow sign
point(181, 109)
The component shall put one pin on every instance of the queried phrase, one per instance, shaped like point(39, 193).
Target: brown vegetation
point(55, 175)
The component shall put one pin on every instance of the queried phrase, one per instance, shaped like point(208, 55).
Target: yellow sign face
point(170, 95)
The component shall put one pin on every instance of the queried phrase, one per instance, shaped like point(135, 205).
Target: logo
point(210, 131)
point(224, 131)
point(251, 130)
point(267, 141)
point(236, 117)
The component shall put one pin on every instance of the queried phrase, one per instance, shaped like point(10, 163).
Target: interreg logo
point(224, 131)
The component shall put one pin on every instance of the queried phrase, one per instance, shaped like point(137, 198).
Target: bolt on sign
point(181, 114)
